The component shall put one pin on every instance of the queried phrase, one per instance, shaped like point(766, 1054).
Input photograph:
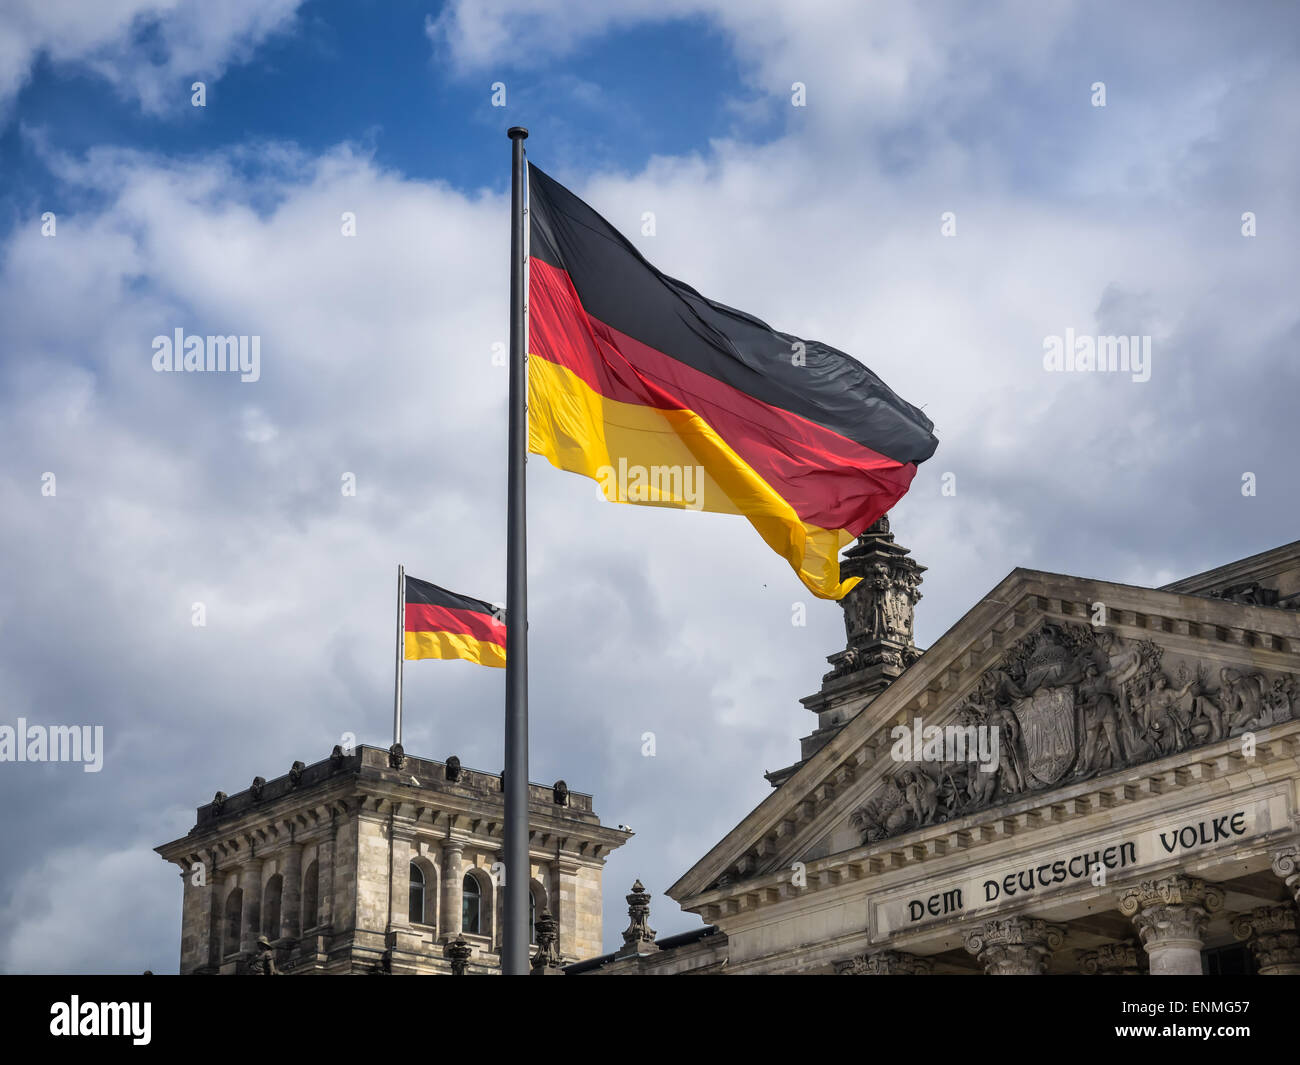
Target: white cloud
point(148, 50)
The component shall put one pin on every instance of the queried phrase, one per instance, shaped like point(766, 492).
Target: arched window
point(416, 915)
point(310, 896)
point(234, 913)
point(271, 896)
point(471, 905)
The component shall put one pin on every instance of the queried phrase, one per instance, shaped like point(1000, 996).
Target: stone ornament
point(1112, 959)
point(638, 931)
point(255, 791)
point(453, 770)
point(1070, 702)
point(295, 774)
point(885, 963)
point(396, 756)
point(878, 610)
point(547, 956)
point(458, 952)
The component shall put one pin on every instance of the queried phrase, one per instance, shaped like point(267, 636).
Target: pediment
point(1074, 680)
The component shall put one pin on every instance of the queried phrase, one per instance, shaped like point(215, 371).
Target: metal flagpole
point(401, 653)
point(514, 950)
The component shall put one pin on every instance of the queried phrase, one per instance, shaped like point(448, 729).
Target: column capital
point(1175, 890)
point(1170, 915)
point(1014, 946)
point(885, 963)
point(1274, 936)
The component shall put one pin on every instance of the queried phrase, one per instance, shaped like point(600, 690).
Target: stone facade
point(1078, 777)
point(319, 865)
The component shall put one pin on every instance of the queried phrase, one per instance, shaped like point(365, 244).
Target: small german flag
point(671, 399)
point(442, 624)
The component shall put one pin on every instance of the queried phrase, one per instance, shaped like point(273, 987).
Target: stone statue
point(255, 791)
point(1100, 714)
point(295, 774)
point(560, 793)
point(453, 769)
point(264, 959)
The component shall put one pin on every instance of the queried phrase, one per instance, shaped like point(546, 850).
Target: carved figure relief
point(1069, 702)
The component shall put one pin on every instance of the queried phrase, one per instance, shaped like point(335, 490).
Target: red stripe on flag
point(421, 617)
point(829, 480)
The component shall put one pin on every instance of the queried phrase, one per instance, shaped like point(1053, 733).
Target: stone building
point(1078, 777)
point(377, 862)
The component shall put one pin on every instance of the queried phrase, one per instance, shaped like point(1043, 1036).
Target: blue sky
point(368, 73)
point(824, 220)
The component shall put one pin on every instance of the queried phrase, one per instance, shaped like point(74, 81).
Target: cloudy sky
point(377, 360)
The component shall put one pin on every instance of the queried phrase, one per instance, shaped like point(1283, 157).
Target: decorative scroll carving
point(1067, 703)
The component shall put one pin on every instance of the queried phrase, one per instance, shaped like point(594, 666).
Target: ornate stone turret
point(639, 938)
point(880, 640)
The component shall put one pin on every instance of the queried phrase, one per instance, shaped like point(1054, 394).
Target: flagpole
point(514, 949)
point(401, 653)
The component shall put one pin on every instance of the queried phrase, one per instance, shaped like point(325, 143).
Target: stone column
point(291, 897)
point(1170, 916)
point(452, 874)
point(885, 963)
point(564, 907)
point(1014, 946)
point(1112, 959)
point(1274, 936)
point(250, 882)
point(325, 874)
point(400, 855)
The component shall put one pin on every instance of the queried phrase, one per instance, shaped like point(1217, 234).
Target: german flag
point(670, 399)
point(442, 624)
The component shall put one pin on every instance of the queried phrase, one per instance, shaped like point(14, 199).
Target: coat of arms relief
point(1069, 702)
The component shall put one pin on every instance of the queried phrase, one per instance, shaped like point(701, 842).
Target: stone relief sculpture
point(1069, 702)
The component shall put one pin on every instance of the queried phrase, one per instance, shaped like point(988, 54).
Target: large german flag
point(442, 624)
point(670, 399)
